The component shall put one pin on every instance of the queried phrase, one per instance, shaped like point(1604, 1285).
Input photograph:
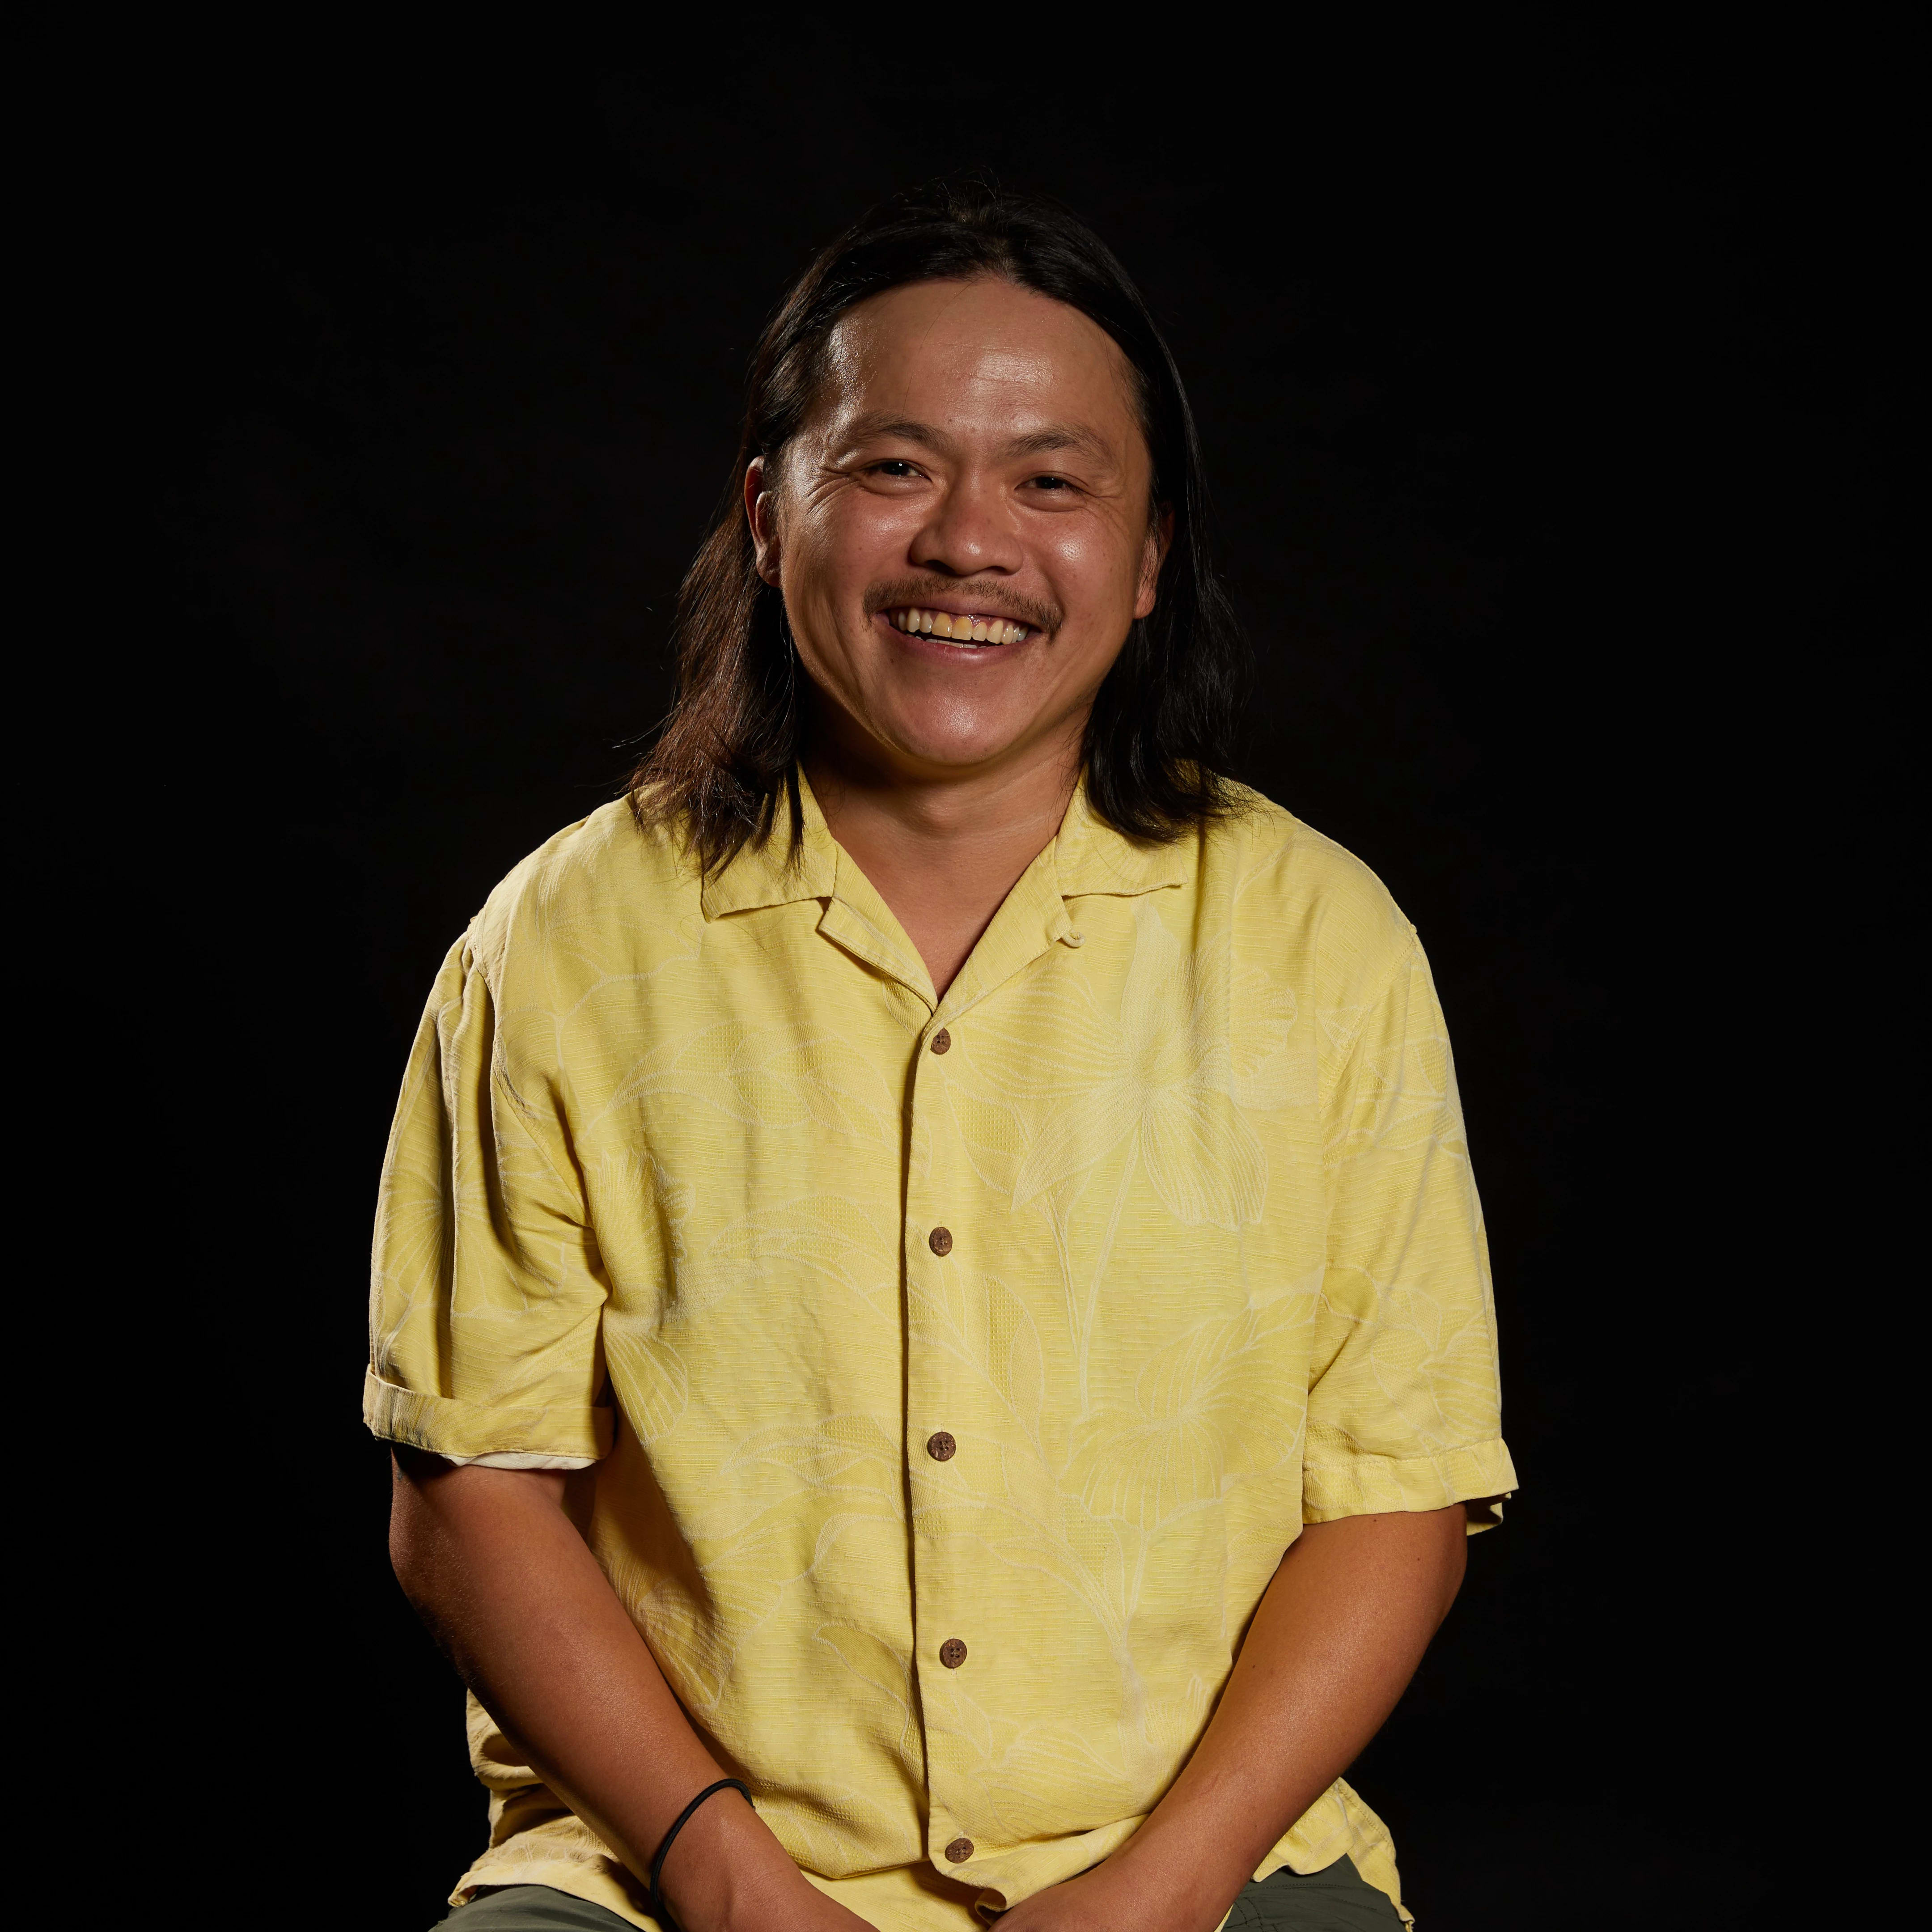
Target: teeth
point(960, 630)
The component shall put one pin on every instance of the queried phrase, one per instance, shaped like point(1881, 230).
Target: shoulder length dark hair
point(1157, 740)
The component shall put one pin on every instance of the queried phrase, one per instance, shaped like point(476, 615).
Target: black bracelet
point(659, 1910)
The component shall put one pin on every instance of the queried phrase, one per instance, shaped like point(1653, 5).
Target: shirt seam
point(1346, 1072)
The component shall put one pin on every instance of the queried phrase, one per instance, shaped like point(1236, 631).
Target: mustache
point(990, 600)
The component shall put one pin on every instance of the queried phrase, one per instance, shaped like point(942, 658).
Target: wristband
point(659, 1910)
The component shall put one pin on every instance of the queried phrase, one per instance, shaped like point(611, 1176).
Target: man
point(927, 1264)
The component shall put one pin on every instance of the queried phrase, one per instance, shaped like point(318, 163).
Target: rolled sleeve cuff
point(465, 1430)
point(1480, 1475)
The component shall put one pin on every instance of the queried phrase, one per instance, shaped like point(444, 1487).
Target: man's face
point(975, 458)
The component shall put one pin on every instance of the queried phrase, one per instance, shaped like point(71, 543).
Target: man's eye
point(1049, 483)
point(894, 466)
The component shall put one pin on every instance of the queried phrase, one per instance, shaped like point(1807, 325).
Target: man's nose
point(971, 531)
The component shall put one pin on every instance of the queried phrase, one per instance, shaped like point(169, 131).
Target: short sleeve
point(486, 1303)
point(1404, 1405)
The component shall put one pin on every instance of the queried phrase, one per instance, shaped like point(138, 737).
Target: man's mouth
point(961, 627)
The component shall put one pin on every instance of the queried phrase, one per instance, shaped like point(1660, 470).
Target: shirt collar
point(767, 874)
point(1089, 857)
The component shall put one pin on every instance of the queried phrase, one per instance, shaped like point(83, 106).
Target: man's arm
point(1337, 1637)
point(510, 1590)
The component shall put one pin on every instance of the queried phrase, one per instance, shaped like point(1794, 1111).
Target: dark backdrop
point(1545, 381)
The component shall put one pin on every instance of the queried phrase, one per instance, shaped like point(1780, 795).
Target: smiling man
point(928, 1296)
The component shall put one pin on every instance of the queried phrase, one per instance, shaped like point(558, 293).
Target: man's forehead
point(988, 340)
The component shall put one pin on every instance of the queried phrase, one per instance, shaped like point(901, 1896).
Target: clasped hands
point(1114, 1896)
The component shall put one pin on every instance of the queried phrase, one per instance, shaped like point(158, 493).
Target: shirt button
point(960, 1850)
point(952, 1653)
point(942, 1042)
point(940, 1446)
point(940, 1240)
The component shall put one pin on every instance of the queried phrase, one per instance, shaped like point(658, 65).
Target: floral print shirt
point(948, 1375)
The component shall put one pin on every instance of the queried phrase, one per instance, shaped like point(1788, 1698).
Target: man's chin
point(951, 759)
point(922, 739)
point(942, 754)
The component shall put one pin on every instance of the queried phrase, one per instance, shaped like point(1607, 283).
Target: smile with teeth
point(961, 629)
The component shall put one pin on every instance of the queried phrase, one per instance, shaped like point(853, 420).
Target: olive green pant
point(1338, 1899)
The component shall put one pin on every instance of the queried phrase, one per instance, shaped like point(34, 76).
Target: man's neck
point(944, 852)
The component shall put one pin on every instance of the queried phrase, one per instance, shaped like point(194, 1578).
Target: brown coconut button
point(940, 1446)
point(960, 1850)
point(940, 1240)
point(942, 1042)
point(952, 1653)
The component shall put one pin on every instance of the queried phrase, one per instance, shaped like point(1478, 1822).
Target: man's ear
point(761, 514)
point(1160, 536)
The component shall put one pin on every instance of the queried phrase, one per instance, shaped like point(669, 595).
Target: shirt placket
point(943, 1633)
point(949, 1241)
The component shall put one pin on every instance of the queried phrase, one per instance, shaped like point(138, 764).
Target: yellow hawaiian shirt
point(949, 1375)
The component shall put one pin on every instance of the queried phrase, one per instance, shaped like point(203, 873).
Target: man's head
point(972, 457)
point(962, 411)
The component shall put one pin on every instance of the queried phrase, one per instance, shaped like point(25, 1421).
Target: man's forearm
point(1337, 1637)
point(496, 1568)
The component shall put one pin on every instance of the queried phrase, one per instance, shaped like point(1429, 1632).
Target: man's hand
point(1108, 1899)
point(511, 1591)
point(727, 1873)
point(1337, 1637)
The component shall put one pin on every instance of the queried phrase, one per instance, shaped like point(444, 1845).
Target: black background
point(1546, 380)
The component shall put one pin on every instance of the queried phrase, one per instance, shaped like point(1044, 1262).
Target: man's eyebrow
point(1055, 437)
point(863, 429)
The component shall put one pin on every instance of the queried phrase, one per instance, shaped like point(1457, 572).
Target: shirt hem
point(1478, 1473)
point(446, 1426)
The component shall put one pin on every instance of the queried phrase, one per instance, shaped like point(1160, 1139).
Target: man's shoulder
point(1294, 886)
point(601, 877)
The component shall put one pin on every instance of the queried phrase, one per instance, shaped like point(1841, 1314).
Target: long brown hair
point(1157, 739)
